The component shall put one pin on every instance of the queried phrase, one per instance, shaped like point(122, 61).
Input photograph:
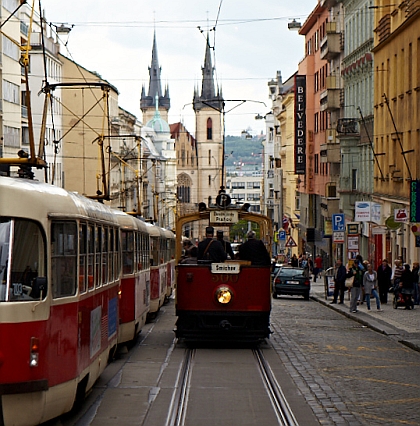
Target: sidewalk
point(399, 323)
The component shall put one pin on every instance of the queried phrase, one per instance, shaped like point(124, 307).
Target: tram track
point(180, 397)
point(278, 401)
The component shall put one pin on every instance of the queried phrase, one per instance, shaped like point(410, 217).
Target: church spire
point(155, 85)
point(208, 95)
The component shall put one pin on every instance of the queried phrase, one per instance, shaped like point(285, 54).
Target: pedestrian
point(339, 281)
point(415, 274)
point(211, 250)
point(303, 263)
point(318, 265)
point(226, 245)
point(397, 273)
point(357, 272)
point(406, 286)
point(370, 284)
point(294, 261)
point(254, 250)
point(384, 274)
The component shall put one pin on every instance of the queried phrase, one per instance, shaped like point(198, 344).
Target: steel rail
point(178, 406)
point(281, 407)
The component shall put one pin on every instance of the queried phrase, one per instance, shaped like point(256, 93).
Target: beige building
point(86, 112)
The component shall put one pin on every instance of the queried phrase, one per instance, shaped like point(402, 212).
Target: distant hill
point(247, 151)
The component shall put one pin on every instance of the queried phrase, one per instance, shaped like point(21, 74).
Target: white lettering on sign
point(224, 216)
point(225, 268)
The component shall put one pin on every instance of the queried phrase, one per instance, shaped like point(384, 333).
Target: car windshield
point(285, 272)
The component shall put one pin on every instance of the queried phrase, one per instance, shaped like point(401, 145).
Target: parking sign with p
point(338, 222)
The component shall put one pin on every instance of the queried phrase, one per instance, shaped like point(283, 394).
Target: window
point(11, 92)
point(354, 179)
point(11, 137)
point(82, 258)
point(209, 129)
point(316, 161)
point(63, 258)
point(10, 49)
point(23, 275)
point(127, 242)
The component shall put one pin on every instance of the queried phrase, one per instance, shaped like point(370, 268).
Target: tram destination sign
point(223, 216)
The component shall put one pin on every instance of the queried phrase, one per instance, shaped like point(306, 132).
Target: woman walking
point(355, 271)
point(370, 285)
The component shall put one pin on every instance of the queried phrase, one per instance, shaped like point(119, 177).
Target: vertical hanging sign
point(300, 124)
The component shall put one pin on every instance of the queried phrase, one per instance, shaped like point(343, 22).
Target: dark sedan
point(292, 281)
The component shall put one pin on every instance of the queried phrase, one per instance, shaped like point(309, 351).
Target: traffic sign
point(338, 222)
point(282, 235)
point(338, 237)
point(291, 242)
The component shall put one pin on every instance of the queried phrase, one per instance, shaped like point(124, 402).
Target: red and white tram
point(134, 296)
point(162, 248)
point(59, 282)
point(74, 282)
point(170, 262)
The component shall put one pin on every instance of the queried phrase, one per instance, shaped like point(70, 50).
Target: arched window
point(184, 188)
point(209, 129)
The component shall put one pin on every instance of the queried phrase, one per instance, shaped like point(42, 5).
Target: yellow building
point(396, 128)
point(86, 110)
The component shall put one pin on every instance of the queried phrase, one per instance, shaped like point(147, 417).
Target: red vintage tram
point(68, 296)
point(228, 301)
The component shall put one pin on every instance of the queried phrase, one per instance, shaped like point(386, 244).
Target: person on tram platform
point(209, 249)
point(254, 250)
point(226, 245)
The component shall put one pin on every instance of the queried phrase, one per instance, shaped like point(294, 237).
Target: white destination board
point(225, 268)
point(223, 216)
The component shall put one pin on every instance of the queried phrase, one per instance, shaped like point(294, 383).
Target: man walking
point(339, 281)
point(384, 273)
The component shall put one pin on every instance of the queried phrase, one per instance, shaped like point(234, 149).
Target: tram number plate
point(225, 268)
point(292, 282)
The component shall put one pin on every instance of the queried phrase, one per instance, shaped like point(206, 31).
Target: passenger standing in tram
point(254, 250)
point(226, 245)
point(210, 249)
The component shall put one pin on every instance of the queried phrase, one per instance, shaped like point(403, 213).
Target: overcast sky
point(251, 42)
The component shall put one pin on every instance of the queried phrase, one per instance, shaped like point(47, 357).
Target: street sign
point(338, 237)
point(338, 222)
point(282, 235)
point(291, 242)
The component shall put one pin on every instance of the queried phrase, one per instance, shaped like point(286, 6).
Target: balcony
point(330, 205)
point(332, 44)
point(331, 98)
point(330, 150)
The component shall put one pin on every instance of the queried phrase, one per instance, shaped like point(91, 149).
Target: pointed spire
point(208, 93)
point(155, 86)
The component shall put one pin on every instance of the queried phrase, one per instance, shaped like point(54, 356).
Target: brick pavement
point(399, 323)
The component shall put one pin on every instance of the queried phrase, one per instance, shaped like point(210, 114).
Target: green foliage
point(247, 151)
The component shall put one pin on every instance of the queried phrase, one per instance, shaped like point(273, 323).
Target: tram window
point(90, 258)
point(23, 278)
point(63, 258)
point(117, 256)
point(138, 252)
point(104, 255)
point(155, 248)
point(127, 241)
point(82, 258)
point(146, 251)
point(98, 244)
point(111, 255)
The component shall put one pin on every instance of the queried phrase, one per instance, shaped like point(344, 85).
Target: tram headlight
point(223, 295)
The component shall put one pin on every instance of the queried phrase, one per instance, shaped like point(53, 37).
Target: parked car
point(292, 281)
point(275, 270)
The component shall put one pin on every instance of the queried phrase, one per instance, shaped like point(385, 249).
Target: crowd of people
point(219, 249)
point(364, 282)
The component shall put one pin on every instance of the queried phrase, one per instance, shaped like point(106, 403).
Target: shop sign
point(415, 201)
point(400, 215)
point(300, 124)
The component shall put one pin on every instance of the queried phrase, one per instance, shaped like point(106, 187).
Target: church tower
point(148, 103)
point(208, 107)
